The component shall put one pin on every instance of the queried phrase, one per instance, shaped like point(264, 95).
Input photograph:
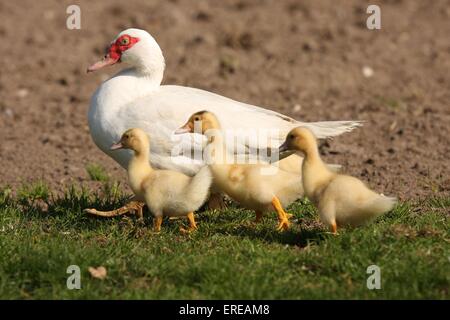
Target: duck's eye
point(196, 119)
point(125, 41)
point(291, 136)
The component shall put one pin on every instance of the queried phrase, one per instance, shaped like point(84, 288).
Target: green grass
point(96, 172)
point(227, 258)
point(389, 102)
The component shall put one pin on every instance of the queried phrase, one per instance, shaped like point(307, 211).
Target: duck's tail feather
point(326, 129)
point(380, 205)
point(198, 188)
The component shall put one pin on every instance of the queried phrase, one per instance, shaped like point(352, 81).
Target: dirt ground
point(302, 58)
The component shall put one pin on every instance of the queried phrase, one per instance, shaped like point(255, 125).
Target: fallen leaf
point(98, 273)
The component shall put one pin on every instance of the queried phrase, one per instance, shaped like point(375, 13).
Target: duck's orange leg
point(282, 215)
point(134, 206)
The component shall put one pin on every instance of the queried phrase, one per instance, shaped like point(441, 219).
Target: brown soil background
point(302, 58)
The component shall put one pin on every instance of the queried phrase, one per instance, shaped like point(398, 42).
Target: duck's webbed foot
point(133, 207)
point(283, 217)
point(192, 224)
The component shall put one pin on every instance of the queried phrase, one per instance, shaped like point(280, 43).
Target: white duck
point(135, 98)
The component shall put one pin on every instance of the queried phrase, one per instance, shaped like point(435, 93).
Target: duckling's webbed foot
point(283, 217)
point(288, 215)
point(134, 207)
point(283, 225)
point(192, 224)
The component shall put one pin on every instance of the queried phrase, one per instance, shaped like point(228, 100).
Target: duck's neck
point(125, 87)
point(151, 77)
point(139, 168)
point(150, 68)
point(315, 173)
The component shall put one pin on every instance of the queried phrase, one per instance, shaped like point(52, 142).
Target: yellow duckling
point(340, 199)
point(259, 187)
point(165, 192)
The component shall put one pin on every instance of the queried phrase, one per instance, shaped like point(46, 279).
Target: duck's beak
point(184, 129)
point(116, 146)
point(106, 61)
point(283, 147)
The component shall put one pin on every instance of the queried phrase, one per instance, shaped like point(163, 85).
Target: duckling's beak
point(283, 147)
point(116, 146)
point(184, 129)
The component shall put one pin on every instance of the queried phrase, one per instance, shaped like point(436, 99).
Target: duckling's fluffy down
point(172, 193)
point(355, 204)
point(198, 189)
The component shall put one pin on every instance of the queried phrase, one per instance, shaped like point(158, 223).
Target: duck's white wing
point(164, 110)
point(237, 115)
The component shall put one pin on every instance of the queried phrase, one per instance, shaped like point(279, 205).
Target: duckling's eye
point(125, 41)
point(197, 119)
point(291, 136)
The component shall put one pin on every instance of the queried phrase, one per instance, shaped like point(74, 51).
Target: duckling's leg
point(131, 207)
point(282, 215)
point(192, 224)
point(327, 214)
point(157, 221)
point(334, 228)
point(259, 216)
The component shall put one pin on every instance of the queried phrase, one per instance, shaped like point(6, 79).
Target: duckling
point(340, 199)
point(165, 192)
point(259, 187)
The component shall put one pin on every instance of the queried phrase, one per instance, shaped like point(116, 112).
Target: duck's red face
point(115, 51)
